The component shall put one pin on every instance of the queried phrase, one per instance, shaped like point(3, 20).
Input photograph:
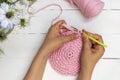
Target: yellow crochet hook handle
point(93, 39)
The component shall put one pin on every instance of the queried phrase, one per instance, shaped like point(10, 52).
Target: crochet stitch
point(66, 60)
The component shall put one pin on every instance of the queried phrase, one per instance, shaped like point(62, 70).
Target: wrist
point(85, 74)
point(87, 69)
point(44, 52)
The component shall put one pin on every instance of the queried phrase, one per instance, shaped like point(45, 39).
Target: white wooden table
point(22, 45)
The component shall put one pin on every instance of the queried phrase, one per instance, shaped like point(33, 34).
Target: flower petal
point(4, 23)
point(5, 7)
point(0, 24)
point(10, 25)
point(2, 17)
point(16, 22)
point(12, 8)
point(2, 11)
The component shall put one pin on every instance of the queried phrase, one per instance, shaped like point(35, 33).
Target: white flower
point(24, 17)
point(22, 13)
point(7, 16)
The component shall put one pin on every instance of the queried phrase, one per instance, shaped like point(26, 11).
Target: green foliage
point(9, 14)
point(4, 33)
point(3, 36)
point(1, 52)
point(7, 1)
point(22, 22)
point(31, 1)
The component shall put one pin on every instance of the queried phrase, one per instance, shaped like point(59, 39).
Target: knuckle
point(62, 20)
point(103, 50)
point(72, 36)
point(65, 39)
point(99, 36)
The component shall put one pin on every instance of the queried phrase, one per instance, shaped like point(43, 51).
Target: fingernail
point(85, 37)
point(83, 30)
point(61, 31)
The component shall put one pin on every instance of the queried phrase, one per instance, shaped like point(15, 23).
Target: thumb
point(86, 42)
point(68, 38)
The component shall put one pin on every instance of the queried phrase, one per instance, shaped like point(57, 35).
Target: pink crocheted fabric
point(66, 60)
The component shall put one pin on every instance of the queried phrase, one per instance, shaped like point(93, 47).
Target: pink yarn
point(41, 9)
point(89, 8)
point(66, 60)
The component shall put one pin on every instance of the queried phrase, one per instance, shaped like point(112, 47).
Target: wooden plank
point(22, 45)
point(112, 41)
point(103, 71)
point(107, 70)
point(16, 68)
point(106, 22)
point(109, 4)
point(112, 4)
point(27, 45)
point(13, 68)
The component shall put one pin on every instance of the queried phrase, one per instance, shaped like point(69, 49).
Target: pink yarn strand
point(50, 5)
point(89, 8)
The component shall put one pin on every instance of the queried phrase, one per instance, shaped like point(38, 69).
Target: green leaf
point(4, 33)
point(31, 1)
point(22, 22)
point(1, 52)
point(7, 1)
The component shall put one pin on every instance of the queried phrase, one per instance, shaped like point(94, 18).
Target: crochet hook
point(90, 37)
point(93, 39)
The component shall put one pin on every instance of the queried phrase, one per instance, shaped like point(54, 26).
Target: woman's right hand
point(89, 55)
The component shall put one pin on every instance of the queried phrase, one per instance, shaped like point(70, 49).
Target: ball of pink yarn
point(89, 8)
point(66, 60)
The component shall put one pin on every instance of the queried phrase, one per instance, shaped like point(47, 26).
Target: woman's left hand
point(53, 38)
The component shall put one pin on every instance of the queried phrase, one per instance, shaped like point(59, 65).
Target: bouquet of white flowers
point(13, 13)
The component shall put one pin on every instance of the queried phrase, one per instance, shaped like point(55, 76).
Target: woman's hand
point(53, 38)
point(52, 42)
point(91, 53)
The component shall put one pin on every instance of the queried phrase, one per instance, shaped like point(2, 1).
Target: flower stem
point(1, 52)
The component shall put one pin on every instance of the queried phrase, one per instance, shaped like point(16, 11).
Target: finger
point(86, 42)
point(98, 52)
point(95, 46)
point(57, 24)
point(63, 29)
point(98, 48)
point(96, 36)
point(68, 38)
point(56, 27)
point(99, 38)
